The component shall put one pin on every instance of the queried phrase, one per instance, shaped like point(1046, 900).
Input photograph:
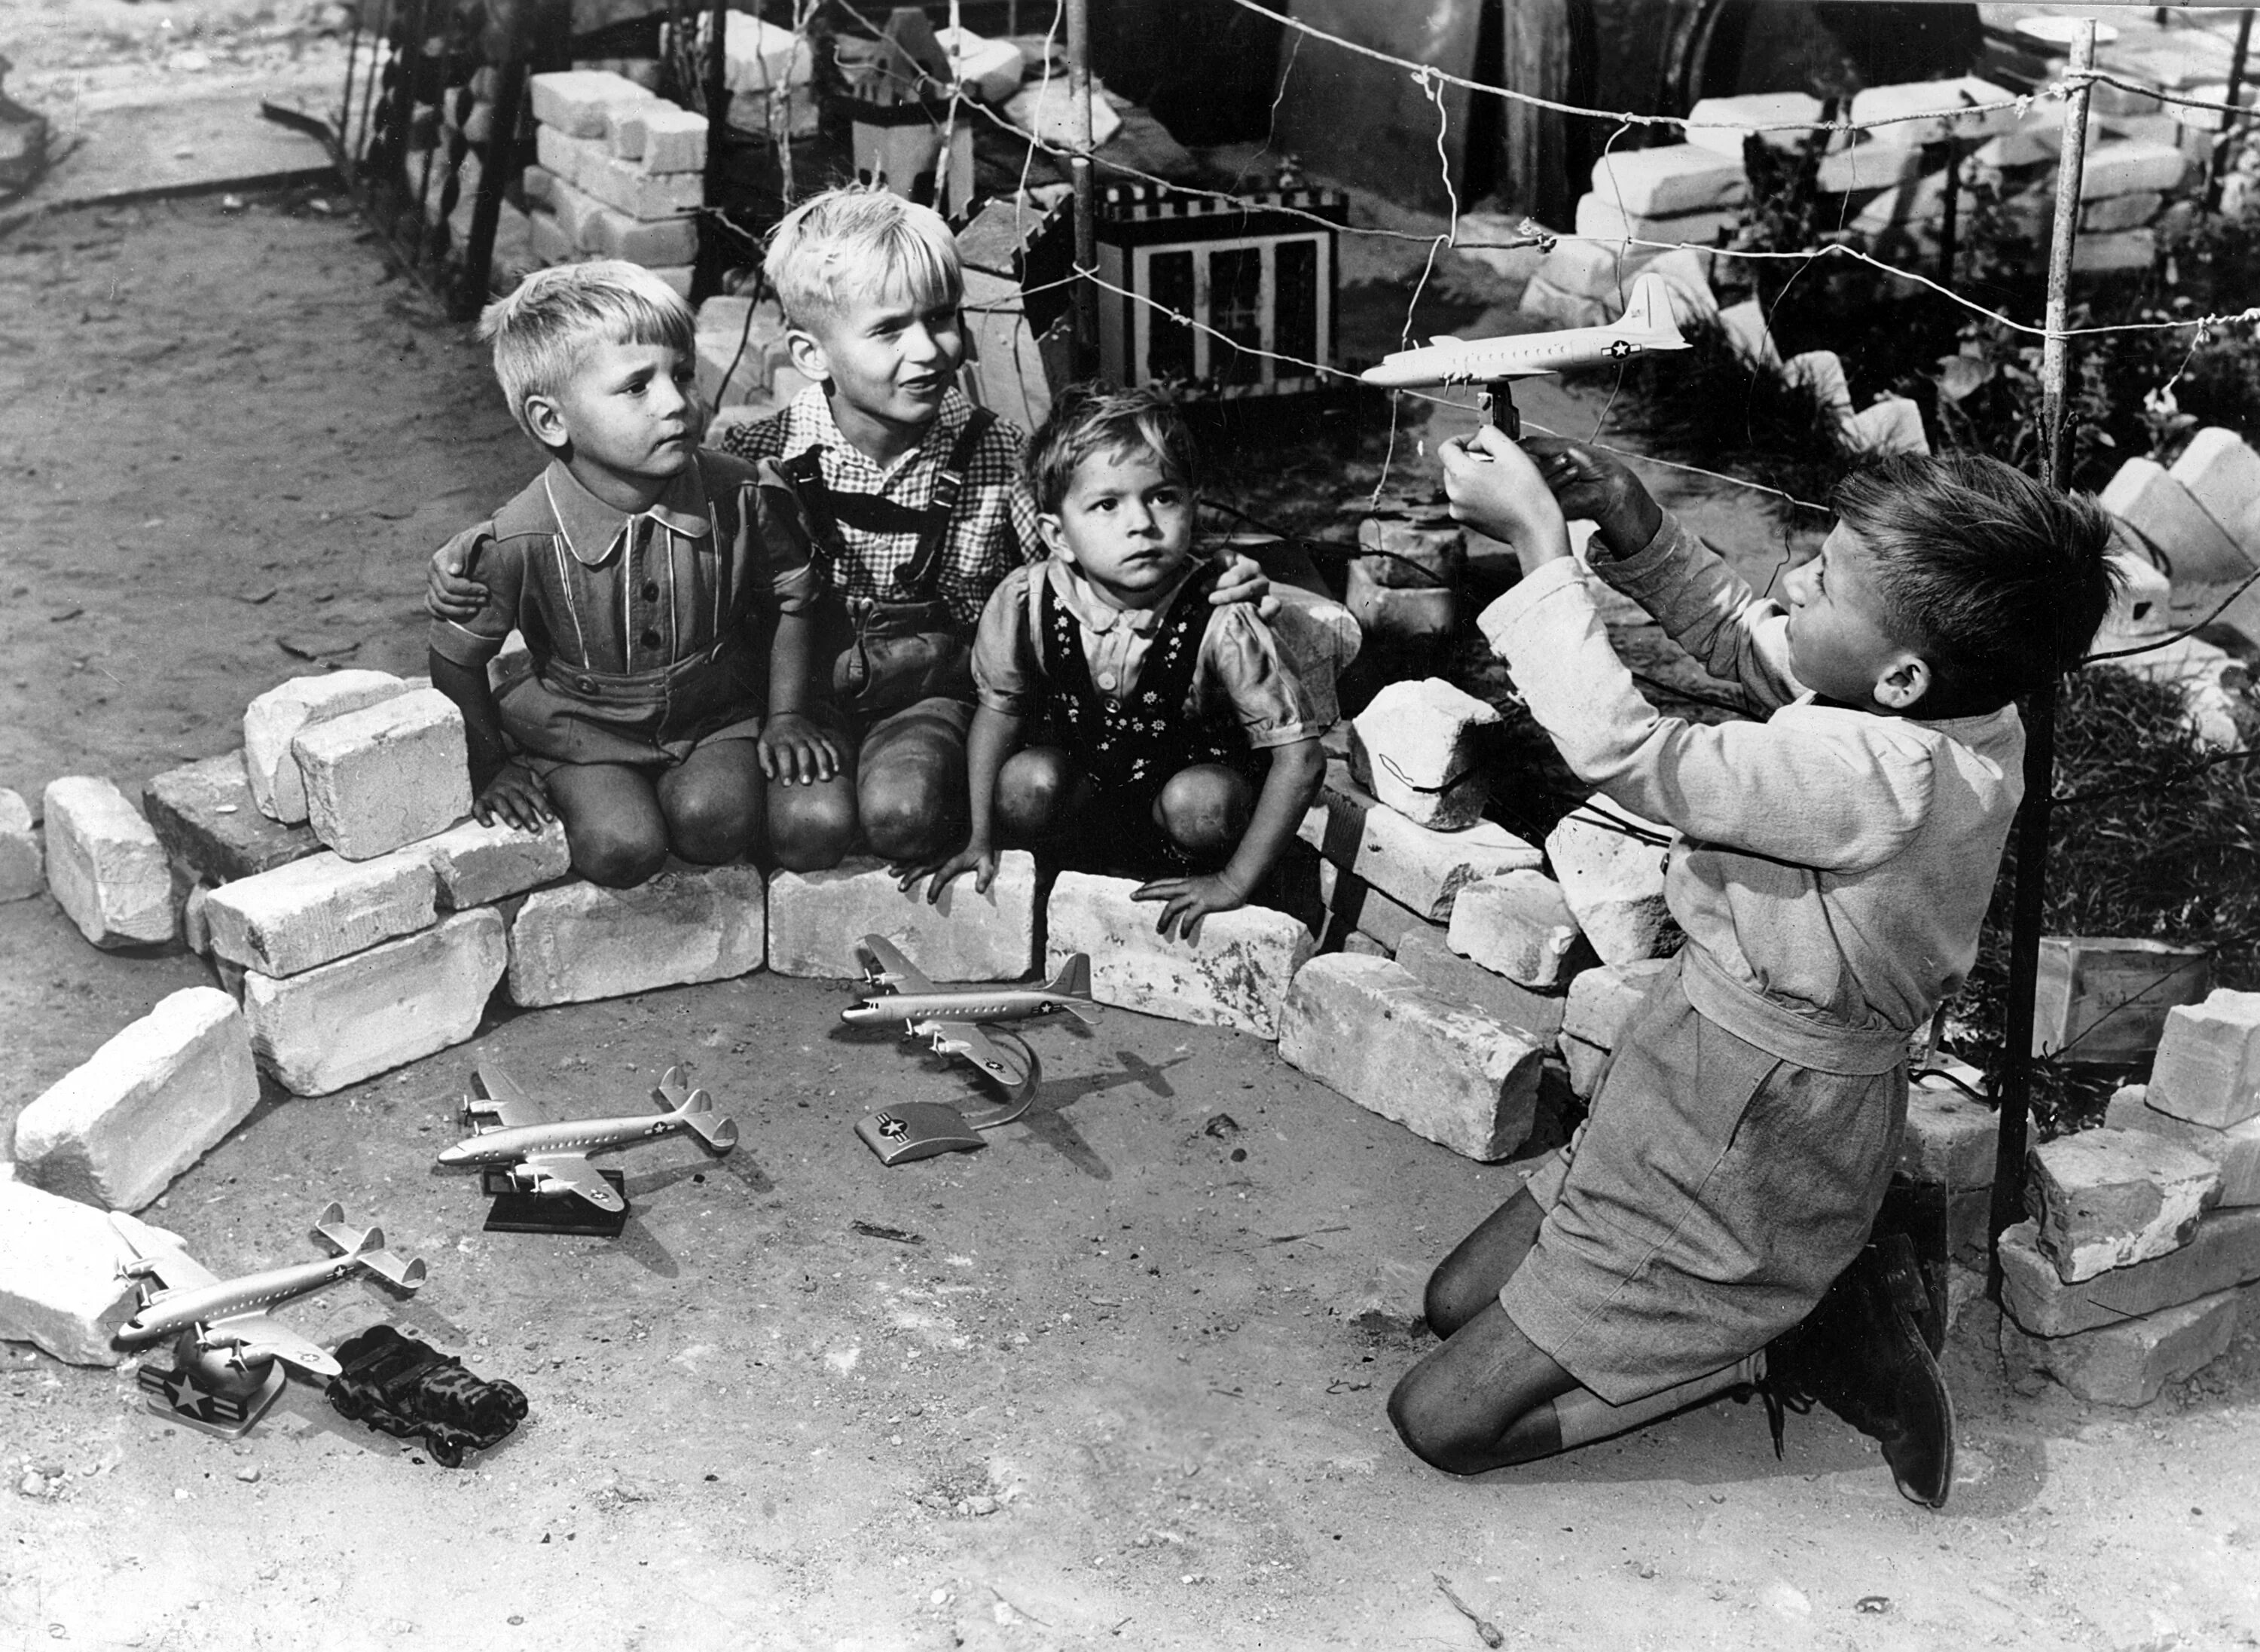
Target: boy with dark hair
point(642, 573)
point(1169, 730)
point(1708, 1228)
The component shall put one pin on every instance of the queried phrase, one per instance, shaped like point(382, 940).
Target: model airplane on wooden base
point(525, 1153)
point(230, 1350)
point(1495, 363)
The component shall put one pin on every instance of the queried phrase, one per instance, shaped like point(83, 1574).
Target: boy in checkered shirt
point(915, 504)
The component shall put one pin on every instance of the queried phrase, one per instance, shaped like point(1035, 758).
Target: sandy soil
point(1125, 1390)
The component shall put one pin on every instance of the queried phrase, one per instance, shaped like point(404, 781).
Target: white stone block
point(581, 941)
point(2222, 475)
point(2105, 1198)
point(272, 720)
point(817, 917)
point(1603, 1001)
point(1889, 424)
point(2128, 1364)
point(2139, 609)
point(1721, 124)
point(62, 1282)
point(1419, 551)
point(2131, 167)
point(607, 232)
point(548, 241)
point(105, 868)
point(115, 1131)
point(2115, 254)
point(1416, 747)
point(1611, 865)
point(1867, 165)
point(477, 865)
point(1371, 1030)
point(621, 186)
point(1944, 101)
point(1670, 180)
point(2153, 502)
point(315, 911)
point(580, 103)
point(1685, 273)
point(1950, 1136)
point(1424, 950)
point(2208, 1069)
point(1417, 868)
point(1542, 299)
point(2235, 1151)
point(561, 155)
point(387, 775)
point(1398, 613)
point(1236, 975)
point(1599, 271)
point(1515, 924)
point(660, 137)
point(1587, 1064)
point(1601, 218)
point(2119, 212)
point(1823, 372)
point(342, 1022)
point(23, 869)
point(1745, 326)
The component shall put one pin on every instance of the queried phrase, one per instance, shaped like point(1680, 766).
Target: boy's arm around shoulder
point(1838, 790)
point(794, 748)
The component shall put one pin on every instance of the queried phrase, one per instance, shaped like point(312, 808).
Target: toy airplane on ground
point(1495, 363)
point(551, 1159)
point(230, 1315)
point(950, 1016)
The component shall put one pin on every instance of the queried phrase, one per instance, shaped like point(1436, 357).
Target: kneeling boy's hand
point(1189, 899)
point(1495, 490)
point(978, 860)
point(516, 793)
point(1599, 487)
point(796, 751)
point(449, 592)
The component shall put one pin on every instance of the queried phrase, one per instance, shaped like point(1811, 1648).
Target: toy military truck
point(405, 1387)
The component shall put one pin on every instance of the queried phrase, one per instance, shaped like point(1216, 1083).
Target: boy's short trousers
point(1711, 1196)
point(857, 734)
point(652, 720)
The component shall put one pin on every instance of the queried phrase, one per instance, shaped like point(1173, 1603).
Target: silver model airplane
point(1647, 324)
point(547, 1158)
point(949, 1015)
point(231, 1314)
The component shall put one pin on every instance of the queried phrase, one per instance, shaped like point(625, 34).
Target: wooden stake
point(2039, 711)
point(1086, 201)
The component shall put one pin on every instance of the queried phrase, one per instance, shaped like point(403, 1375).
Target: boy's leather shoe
point(1862, 1353)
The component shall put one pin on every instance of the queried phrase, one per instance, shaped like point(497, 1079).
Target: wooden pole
point(1087, 203)
point(2231, 125)
point(2040, 712)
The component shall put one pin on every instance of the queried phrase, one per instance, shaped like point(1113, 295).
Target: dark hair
point(1091, 419)
point(1996, 579)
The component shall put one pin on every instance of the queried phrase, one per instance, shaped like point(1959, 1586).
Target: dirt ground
point(1124, 1387)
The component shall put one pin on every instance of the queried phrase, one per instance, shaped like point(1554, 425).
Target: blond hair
point(850, 242)
point(542, 330)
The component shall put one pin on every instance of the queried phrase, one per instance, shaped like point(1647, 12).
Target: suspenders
point(914, 582)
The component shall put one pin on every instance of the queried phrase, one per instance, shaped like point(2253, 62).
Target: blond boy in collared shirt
point(643, 574)
point(1168, 730)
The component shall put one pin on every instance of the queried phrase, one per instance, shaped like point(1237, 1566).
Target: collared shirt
point(1240, 680)
point(607, 595)
point(991, 532)
point(1834, 865)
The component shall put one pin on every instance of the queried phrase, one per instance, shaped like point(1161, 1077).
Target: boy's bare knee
point(906, 817)
point(1204, 810)
point(811, 828)
point(616, 856)
point(714, 827)
point(1032, 793)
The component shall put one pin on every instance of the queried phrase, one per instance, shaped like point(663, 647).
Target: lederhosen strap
point(872, 513)
point(1136, 742)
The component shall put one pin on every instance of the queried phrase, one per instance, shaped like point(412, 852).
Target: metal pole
point(2230, 125)
point(2040, 712)
point(1086, 203)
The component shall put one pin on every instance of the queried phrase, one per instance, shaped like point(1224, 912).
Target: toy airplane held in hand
point(540, 1157)
point(1495, 363)
point(230, 1315)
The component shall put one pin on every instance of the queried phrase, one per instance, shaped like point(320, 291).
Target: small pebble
point(249, 1475)
point(984, 1505)
point(32, 1485)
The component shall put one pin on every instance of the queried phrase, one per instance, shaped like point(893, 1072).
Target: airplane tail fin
point(1650, 309)
point(366, 1246)
point(1073, 981)
point(697, 1110)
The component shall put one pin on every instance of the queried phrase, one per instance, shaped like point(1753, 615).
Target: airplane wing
point(887, 967)
point(964, 1038)
point(262, 1336)
point(509, 1106)
point(571, 1173)
point(173, 1268)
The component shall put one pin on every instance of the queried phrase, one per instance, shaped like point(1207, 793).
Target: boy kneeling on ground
point(643, 574)
point(1166, 730)
point(1708, 1227)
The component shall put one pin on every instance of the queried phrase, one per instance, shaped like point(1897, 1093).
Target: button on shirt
point(991, 532)
point(1240, 680)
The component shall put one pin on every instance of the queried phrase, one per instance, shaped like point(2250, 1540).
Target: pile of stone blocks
point(1403, 587)
point(1643, 203)
point(621, 175)
point(770, 72)
point(2127, 1276)
point(745, 366)
point(2199, 519)
point(1453, 965)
